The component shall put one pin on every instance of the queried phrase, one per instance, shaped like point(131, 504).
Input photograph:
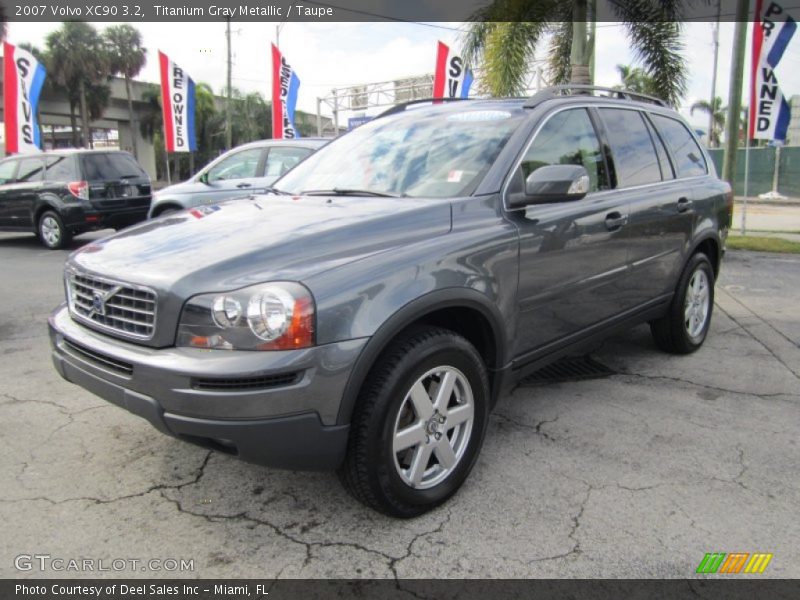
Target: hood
point(262, 238)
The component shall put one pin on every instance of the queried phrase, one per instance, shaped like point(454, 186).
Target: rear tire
point(411, 447)
point(51, 230)
point(685, 326)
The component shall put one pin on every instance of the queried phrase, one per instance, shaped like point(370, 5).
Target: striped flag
point(773, 29)
point(285, 85)
point(177, 102)
point(451, 79)
point(23, 77)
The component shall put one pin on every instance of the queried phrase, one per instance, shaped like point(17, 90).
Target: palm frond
point(654, 29)
point(558, 53)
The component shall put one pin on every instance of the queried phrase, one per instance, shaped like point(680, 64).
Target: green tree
point(718, 114)
point(126, 57)
point(635, 79)
point(80, 64)
point(505, 35)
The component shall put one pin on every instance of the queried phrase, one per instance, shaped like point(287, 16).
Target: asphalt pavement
point(637, 474)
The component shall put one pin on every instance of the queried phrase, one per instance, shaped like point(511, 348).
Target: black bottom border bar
point(438, 589)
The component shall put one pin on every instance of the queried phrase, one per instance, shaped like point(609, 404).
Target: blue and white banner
point(285, 85)
point(773, 29)
point(23, 78)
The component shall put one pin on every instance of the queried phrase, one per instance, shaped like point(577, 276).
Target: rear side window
point(7, 169)
point(663, 157)
point(112, 165)
point(568, 138)
point(281, 159)
point(30, 170)
point(689, 159)
point(60, 168)
point(635, 159)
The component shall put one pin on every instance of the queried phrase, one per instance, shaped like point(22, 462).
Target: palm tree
point(127, 57)
point(635, 79)
point(505, 35)
point(79, 63)
point(718, 113)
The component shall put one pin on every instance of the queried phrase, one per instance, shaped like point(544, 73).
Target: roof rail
point(401, 107)
point(549, 93)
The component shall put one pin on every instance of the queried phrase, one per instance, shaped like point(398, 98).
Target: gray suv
point(367, 314)
point(247, 169)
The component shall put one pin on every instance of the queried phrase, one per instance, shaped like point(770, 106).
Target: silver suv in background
point(247, 169)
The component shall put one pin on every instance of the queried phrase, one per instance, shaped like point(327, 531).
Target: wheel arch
point(710, 246)
point(464, 311)
point(165, 205)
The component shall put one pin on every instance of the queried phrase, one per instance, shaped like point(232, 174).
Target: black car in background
point(60, 194)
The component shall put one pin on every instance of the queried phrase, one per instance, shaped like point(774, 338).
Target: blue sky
point(328, 55)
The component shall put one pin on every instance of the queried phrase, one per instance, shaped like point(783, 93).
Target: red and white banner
point(23, 77)
point(773, 29)
point(451, 79)
point(177, 103)
point(285, 85)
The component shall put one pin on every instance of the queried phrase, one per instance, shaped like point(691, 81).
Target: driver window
point(236, 166)
point(568, 138)
point(7, 170)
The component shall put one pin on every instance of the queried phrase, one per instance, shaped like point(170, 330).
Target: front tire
point(418, 425)
point(51, 230)
point(684, 328)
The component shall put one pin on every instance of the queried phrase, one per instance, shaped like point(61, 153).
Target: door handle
point(615, 221)
point(684, 204)
point(244, 185)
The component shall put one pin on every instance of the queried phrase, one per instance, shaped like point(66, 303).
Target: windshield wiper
point(350, 192)
point(276, 191)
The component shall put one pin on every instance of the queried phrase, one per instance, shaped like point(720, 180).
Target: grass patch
point(763, 244)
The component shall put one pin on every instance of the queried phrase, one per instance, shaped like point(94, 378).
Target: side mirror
point(554, 183)
point(203, 178)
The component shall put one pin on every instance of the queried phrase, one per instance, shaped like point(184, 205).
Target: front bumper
point(272, 408)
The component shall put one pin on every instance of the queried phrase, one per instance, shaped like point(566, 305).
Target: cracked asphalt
point(635, 475)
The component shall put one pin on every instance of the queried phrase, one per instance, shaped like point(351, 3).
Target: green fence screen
point(762, 170)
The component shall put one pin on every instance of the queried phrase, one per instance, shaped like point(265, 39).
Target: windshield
point(443, 153)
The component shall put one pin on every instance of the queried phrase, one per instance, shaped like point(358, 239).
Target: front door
point(573, 255)
point(235, 175)
point(19, 197)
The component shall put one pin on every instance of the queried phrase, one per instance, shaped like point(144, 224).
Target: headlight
point(272, 316)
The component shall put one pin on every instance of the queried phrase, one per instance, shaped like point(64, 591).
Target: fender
point(406, 316)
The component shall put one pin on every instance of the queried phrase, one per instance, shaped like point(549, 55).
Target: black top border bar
point(310, 11)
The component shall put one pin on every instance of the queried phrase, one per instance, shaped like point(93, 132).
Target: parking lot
point(637, 474)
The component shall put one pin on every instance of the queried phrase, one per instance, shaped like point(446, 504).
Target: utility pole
point(735, 92)
point(228, 130)
point(715, 34)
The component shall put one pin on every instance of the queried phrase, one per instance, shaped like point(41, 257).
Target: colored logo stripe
point(711, 562)
point(758, 563)
point(720, 562)
point(734, 562)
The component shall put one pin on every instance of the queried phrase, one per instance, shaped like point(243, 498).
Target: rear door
point(116, 181)
point(280, 160)
point(236, 174)
point(20, 196)
point(573, 256)
point(8, 171)
point(660, 223)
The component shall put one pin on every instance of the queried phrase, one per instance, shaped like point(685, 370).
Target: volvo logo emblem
point(99, 299)
point(98, 304)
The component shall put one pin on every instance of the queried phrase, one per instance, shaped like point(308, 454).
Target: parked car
point(416, 267)
point(63, 193)
point(247, 169)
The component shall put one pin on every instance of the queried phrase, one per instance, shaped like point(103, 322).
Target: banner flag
point(773, 28)
point(23, 77)
point(177, 101)
point(285, 84)
point(451, 79)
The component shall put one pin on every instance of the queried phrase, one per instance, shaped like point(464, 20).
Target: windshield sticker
point(454, 176)
point(480, 115)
